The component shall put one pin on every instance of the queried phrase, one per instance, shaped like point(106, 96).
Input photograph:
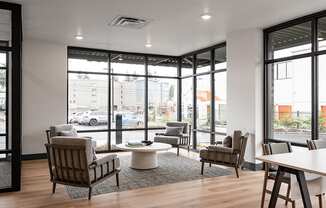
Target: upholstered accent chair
point(179, 138)
point(270, 171)
point(227, 156)
point(316, 144)
point(72, 162)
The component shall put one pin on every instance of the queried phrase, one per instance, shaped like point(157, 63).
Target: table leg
point(301, 181)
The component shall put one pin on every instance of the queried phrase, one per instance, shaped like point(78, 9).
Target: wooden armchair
point(227, 156)
point(72, 162)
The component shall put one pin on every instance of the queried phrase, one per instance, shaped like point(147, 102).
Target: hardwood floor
point(221, 192)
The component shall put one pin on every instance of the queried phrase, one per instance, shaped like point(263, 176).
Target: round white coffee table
point(145, 157)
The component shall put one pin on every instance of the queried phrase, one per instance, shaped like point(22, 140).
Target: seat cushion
point(111, 165)
point(167, 139)
point(219, 157)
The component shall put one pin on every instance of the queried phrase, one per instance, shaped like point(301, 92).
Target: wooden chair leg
point(264, 192)
point(320, 200)
point(53, 187)
point(236, 171)
point(210, 164)
point(188, 148)
point(117, 179)
point(288, 195)
point(293, 204)
point(202, 168)
point(178, 151)
point(89, 193)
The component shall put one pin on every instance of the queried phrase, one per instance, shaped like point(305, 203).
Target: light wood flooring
point(218, 192)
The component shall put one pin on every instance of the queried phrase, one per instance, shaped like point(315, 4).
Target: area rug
point(172, 169)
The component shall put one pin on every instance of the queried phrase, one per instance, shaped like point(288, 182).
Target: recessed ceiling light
point(206, 16)
point(79, 37)
point(148, 45)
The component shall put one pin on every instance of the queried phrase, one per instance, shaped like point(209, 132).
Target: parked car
point(93, 118)
point(75, 117)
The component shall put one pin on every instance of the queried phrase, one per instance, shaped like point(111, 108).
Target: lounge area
point(143, 104)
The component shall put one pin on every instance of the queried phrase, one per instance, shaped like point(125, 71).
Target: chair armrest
point(219, 142)
point(104, 159)
point(160, 134)
point(220, 149)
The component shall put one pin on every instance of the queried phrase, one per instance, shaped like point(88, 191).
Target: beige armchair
point(227, 156)
point(72, 162)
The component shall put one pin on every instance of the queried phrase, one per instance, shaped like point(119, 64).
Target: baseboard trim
point(253, 166)
point(34, 156)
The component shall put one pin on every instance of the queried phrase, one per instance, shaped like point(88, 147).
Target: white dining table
point(313, 161)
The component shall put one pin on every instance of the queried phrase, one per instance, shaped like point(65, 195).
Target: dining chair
point(270, 171)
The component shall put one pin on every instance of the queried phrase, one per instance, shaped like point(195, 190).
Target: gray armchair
point(227, 156)
point(72, 162)
point(177, 140)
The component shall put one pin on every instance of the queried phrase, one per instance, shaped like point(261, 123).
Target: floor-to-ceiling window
point(10, 96)
point(204, 94)
point(130, 102)
point(294, 87)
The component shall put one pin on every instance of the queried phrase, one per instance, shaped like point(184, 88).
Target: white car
point(93, 118)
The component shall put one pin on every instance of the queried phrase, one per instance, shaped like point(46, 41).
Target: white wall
point(44, 91)
point(245, 87)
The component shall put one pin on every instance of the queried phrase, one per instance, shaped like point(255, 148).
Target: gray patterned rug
point(171, 169)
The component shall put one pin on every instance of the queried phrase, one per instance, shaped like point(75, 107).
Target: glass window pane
point(3, 92)
point(5, 167)
point(322, 96)
point(203, 62)
point(220, 102)
point(203, 140)
point(128, 98)
point(203, 102)
point(187, 99)
point(291, 105)
point(87, 61)
point(162, 101)
point(152, 133)
point(187, 66)
point(290, 41)
point(127, 64)
point(220, 58)
point(88, 97)
point(159, 66)
point(322, 34)
point(5, 27)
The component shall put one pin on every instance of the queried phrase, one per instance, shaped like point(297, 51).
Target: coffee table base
point(144, 160)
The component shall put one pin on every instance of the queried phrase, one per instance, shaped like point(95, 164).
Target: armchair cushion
point(105, 158)
point(173, 140)
point(227, 142)
point(72, 132)
point(109, 164)
point(226, 157)
point(173, 131)
point(217, 148)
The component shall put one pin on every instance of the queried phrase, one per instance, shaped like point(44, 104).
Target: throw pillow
point(227, 142)
point(68, 133)
point(173, 131)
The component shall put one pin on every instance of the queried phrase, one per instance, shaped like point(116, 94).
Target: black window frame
point(179, 79)
point(313, 55)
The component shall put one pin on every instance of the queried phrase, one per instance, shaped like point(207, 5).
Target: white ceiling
point(176, 26)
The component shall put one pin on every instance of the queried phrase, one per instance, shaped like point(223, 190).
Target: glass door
point(10, 96)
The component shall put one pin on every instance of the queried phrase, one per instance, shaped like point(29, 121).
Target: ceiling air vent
point(129, 22)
